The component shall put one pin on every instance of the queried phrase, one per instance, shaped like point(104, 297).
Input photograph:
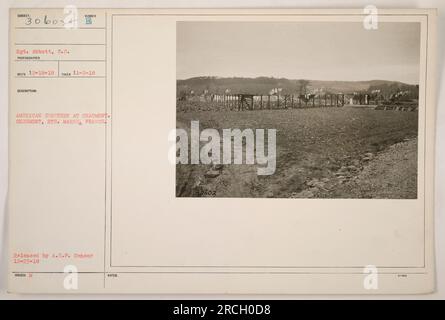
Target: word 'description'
point(209, 147)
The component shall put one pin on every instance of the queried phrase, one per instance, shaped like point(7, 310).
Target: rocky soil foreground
point(390, 174)
point(387, 174)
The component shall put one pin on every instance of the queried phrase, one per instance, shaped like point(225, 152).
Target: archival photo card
point(221, 151)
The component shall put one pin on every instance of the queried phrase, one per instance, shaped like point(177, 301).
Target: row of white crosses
point(275, 91)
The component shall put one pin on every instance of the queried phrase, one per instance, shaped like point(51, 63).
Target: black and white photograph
point(293, 109)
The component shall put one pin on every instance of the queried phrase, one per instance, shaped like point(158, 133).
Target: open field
point(321, 153)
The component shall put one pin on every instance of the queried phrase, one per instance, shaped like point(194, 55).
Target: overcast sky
point(295, 50)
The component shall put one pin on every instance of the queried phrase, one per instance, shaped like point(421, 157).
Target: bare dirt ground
point(338, 153)
point(389, 174)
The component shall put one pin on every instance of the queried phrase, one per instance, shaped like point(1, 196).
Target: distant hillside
point(263, 85)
